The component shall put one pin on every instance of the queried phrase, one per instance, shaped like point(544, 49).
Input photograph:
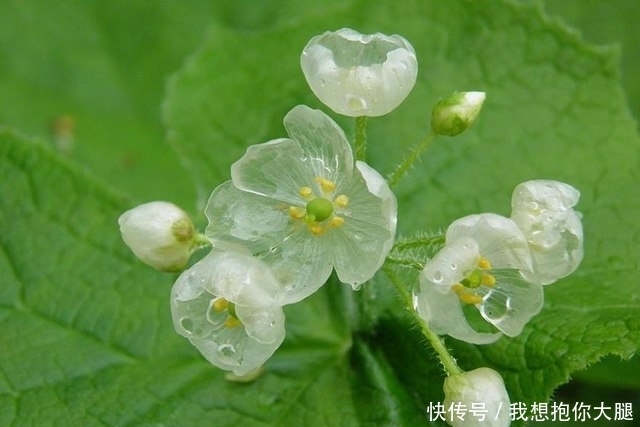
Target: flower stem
point(361, 138)
point(447, 360)
point(410, 159)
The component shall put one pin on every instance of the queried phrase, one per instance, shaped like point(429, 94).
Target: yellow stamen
point(327, 185)
point(470, 298)
point(296, 212)
point(220, 305)
point(232, 322)
point(305, 192)
point(488, 280)
point(316, 229)
point(484, 263)
point(336, 222)
point(341, 201)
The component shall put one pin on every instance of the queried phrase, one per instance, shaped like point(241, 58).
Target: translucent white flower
point(160, 234)
point(357, 74)
point(543, 210)
point(224, 305)
point(481, 266)
point(300, 205)
point(482, 388)
point(454, 114)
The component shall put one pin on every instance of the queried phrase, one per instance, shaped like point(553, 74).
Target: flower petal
point(262, 225)
point(276, 169)
point(326, 150)
point(237, 278)
point(367, 236)
point(512, 302)
point(435, 301)
point(499, 239)
point(357, 74)
point(543, 210)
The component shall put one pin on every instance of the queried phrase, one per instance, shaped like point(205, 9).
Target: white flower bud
point(484, 389)
point(453, 115)
point(359, 74)
point(160, 234)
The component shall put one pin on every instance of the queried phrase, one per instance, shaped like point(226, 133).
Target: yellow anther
point(336, 222)
point(488, 280)
point(296, 212)
point(458, 288)
point(220, 305)
point(305, 192)
point(232, 322)
point(484, 263)
point(316, 229)
point(341, 201)
point(470, 298)
point(327, 185)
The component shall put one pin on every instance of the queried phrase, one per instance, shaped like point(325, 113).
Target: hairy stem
point(447, 360)
point(361, 138)
point(410, 158)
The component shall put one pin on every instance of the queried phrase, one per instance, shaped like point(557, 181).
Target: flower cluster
point(498, 265)
point(300, 207)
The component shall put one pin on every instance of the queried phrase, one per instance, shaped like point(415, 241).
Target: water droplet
point(273, 249)
point(454, 266)
point(356, 103)
point(437, 277)
point(358, 236)
point(227, 350)
point(187, 325)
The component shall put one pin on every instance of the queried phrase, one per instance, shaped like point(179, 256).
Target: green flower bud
point(453, 115)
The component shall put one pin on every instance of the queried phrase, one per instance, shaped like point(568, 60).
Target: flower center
point(221, 306)
point(475, 278)
point(319, 209)
point(319, 212)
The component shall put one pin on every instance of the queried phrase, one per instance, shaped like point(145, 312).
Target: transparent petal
point(229, 348)
point(263, 324)
point(263, 226)
point(437, 304)
point(357, 74)
point(276, 169)
point(302, 263)
point(511, 303)
point(326, 150)
point(499, 239)
point(544, 212)
point(254, 221)
point(367, 236)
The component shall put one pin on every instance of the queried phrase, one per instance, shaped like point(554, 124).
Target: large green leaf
point(554, 110)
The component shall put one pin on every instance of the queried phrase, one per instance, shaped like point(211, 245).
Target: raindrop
point(227, 350)
point(454, 266)
point(187, 324)
point(437, 277)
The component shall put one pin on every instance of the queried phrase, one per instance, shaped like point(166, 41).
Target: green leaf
point(554, 110)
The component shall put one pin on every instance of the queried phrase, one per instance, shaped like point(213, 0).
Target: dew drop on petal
point(437, 277)
point(226, 350)
point(187, 325)
point(454, 266)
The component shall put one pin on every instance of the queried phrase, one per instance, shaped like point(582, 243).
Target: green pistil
point(473, 280)
point(319, 209)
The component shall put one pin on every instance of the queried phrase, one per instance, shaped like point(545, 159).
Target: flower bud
point(359, 74)
point(482, 388)
point(453, 115)
point(160, 234)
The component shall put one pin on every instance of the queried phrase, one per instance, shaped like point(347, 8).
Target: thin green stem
point(361, 138)
point(447, 360)
point(410, 159)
